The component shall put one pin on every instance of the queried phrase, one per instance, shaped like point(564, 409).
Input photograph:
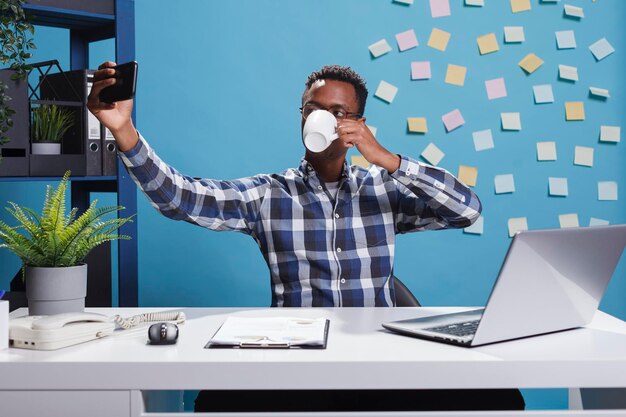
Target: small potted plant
point(49, 123)
point(53, 246)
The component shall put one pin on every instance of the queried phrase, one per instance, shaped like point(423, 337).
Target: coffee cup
point(319, 130)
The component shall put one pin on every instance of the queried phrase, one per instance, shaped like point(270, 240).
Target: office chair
point(404, 296)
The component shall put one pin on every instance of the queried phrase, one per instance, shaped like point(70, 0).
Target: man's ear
point(363, 119)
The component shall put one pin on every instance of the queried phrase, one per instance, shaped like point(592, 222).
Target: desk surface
point(360, 355)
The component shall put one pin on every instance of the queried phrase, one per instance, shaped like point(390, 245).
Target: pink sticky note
point(495, 88)
point(420, 70)
point(453, 120)
point(439, 8)
point(406, 40)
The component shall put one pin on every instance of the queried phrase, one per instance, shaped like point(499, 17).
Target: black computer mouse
point(163, 334)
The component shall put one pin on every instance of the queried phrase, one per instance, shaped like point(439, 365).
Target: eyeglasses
point(339, 112)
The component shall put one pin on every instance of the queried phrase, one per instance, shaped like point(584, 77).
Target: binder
point(109, 153)
point(271, 333)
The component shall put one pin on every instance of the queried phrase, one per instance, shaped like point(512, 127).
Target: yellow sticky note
point(574, 110)
point(360, 161)
point(520, 6)
point(417, 124)
point(530, 63)
point(487, 44)
point(439, 39)
point(456, 74)
point(468, 175)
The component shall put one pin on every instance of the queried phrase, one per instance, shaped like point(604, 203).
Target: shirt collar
point(306, 169)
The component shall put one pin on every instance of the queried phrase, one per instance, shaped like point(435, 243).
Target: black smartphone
point(124, 87)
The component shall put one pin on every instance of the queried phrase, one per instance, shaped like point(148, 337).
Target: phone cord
point(177, 316)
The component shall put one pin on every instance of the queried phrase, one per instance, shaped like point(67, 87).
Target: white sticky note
point(543, 93)
point(601, 49)
point(607, 190)
point(504, 183)
point(403, 1)
point(565, 39)
point(568, 73)
point(573, 11)
point(568, 220)
point(558, 186)
point(583, 156)
point(546, 151)
point(483, 140)
point(517, 224)
point(477, 228)
point(600, 92)
point(379, 48)
point(386, 91)
point(511, 121)
point(372, 129)
point(514, 34)
point(598, 222)
point(610, 133)
point(477, 3)
point(432, 154)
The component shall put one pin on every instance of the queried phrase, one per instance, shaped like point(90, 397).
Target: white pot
point(45, 148)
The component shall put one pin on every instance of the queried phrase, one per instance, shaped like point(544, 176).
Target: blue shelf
point(48, 179)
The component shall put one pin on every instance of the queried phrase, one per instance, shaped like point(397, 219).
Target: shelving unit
point(91, 21)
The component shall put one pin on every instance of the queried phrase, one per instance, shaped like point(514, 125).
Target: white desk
point(360, 355)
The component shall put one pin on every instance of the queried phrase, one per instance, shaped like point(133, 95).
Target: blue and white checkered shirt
point(321, 250)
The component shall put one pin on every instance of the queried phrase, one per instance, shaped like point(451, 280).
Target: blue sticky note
point(504, 183)
point(601, 49)
point(483, 140)
point(477, 228)
point(565, 39)
point(558, 186)
point(543, 93)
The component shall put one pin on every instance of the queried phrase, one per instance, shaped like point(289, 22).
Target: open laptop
point(550, 280)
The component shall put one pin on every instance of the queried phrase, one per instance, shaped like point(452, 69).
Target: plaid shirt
point(321, 250)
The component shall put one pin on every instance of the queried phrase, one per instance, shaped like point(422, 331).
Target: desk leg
point(597, 398)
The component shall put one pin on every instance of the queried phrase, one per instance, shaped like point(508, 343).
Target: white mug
point(319, 130)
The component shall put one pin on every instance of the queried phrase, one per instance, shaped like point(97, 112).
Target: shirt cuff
point(408, 168)
point(137, 155)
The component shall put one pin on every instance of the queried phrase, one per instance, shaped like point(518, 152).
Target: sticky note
point(565, 39)
point(455, 74)
point(574, 110)
point(517, 224)
point(372, 129)
point(504, 183)
point(495, 88)
point(568, 220)
point(511, 121)
point(453, 120)
point(557, 186)
point(379, 48)
point(530, 63)
point(360, 161)
point(610, 133)
point(546, 151)
point(468, 175)
point(568, 73)
point(583, 156)
point(478, 3)
point(598, 222)
point(543, 93)
point(514, 34)
point(432, 154)
point(439, 8)
point(607, 190)
point(487, 43)
point(407, 2)
point(483, 140)
point(417, 124)
point(439, 39)
point(406, 40)
point(420, 70)
point(520, 6)
point(573, 11)
point(477, 227)
point(386, 91)
point(601, 49)
point(599, 92)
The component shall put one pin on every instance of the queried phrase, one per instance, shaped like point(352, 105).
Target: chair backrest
point(404, 296)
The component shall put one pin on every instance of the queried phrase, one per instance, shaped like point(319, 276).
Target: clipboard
point(271, 333)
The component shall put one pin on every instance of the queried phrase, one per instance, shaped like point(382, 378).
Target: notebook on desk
point(550, 280)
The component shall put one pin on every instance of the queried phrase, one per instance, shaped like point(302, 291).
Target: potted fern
point(53, 246)
point(49, 123)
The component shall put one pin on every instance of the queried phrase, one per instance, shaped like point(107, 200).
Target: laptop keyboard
point(457, 329)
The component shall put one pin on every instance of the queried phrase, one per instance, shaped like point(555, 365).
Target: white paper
point(271, 330)
point(598, 222)
point(573, 11)
point(601, 49)
point(432, 154)
point(543, 93)
point(568, 220)
point(607, 190)
point(558, 186)
point(565, 39)
point(568, 73)
point(379, 48)
point(511, 121)
point(583, 156)
point(386, 91)
point(600, 92)
point(404, 1)
point(477, 228)
point(4, 324)
point(517, 224)
point(479, 3)
point(546, 151)
point(372, 129)
point(504, 183)
point(513, 34)
point(610, 133)
point(483, 140)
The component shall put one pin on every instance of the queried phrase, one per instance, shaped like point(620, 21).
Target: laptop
point(550, 280)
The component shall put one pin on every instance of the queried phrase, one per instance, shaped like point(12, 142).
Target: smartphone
point(124, 88)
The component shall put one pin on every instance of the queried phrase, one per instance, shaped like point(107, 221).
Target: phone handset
point(177, 316)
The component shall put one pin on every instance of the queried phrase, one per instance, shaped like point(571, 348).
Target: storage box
point(4, 324)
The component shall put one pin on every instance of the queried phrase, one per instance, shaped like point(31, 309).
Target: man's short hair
point(339, 73)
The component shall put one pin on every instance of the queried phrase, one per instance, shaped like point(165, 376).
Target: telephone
point(61, 330)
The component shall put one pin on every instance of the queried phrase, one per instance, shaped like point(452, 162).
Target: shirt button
point(336, 215)
point(338, 249)
point(343, 280)
point(319, 187)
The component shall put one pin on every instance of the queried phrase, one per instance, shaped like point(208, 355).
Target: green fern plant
point(56, 238)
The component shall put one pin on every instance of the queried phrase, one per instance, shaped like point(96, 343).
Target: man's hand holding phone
point(115, 116)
